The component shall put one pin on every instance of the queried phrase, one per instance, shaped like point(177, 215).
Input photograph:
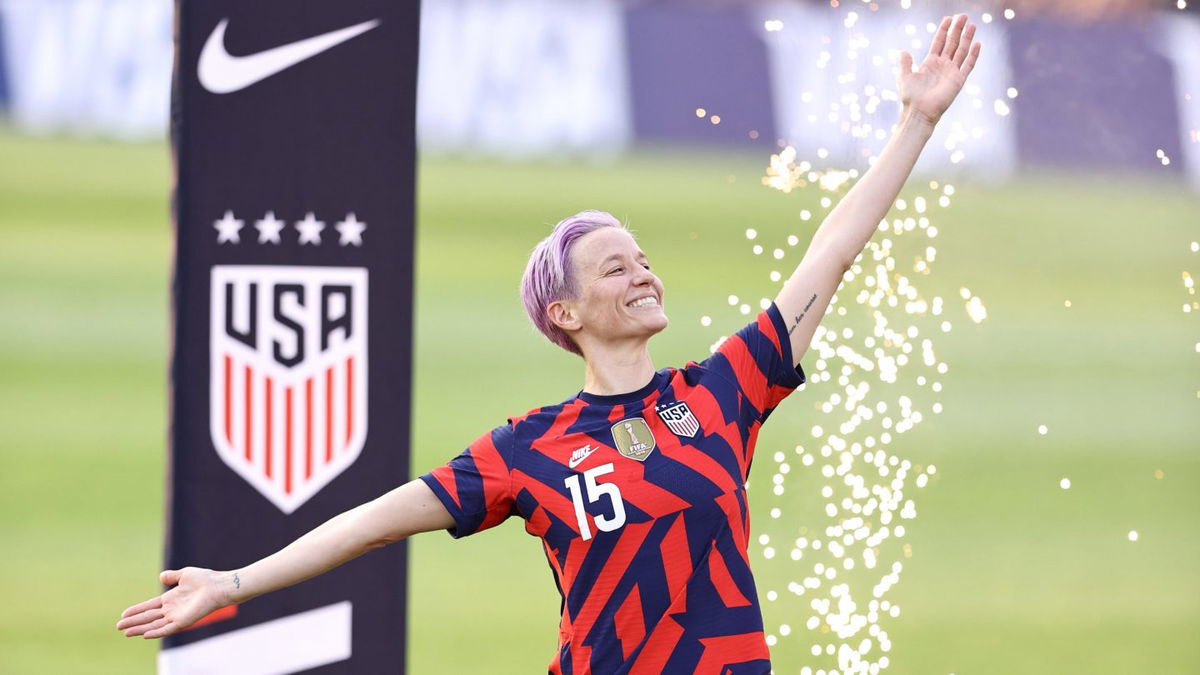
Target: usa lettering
point(288, 311)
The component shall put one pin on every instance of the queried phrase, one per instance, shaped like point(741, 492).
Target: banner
point(293, 130)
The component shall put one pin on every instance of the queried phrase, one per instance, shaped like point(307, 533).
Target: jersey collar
point(653, 385)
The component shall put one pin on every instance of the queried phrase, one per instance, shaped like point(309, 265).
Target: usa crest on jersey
point(679, 418)
point(288, 375)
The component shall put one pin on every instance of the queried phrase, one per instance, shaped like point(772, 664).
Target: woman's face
point(619, 297)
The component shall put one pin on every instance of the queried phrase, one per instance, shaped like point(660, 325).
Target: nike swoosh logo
point(579, 455)
point(222, 73)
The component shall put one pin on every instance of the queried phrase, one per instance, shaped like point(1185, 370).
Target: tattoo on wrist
point(237, 582)
point(803, 313)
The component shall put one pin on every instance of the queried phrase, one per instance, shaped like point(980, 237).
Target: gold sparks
point(785, 174)
point(833, 179)
point(975, 308)
point(1189, 285)
point(701, 112)
point(882, 375)
point(874, 363)
point(1158, 474)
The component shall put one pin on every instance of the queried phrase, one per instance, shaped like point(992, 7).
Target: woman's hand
point(197, 592)
point(929, 91)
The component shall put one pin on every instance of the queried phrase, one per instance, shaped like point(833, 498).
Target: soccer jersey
point(639, 500)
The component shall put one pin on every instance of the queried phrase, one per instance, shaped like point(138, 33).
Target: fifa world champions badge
point(288, 375)
point(632, 438)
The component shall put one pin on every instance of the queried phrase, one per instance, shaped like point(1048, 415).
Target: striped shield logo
point(679, 418)
point(288, 374)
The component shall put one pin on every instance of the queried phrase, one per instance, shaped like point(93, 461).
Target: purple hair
point(548, 275)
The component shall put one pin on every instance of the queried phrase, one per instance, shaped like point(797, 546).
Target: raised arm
point(403, 512)
point(924, 96)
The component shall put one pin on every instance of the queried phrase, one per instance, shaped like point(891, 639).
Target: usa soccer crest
point(679, 418)
point(288, 374)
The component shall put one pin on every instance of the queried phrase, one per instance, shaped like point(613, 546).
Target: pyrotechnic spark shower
point(875, 371)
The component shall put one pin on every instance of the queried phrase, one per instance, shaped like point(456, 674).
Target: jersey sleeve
point(476, 486)
point(758, 358)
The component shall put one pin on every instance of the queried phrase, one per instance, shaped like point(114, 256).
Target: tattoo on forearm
point(803, 313)
point(237, 582)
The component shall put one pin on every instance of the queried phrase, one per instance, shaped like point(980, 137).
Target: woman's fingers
point(161, 631)
point(939, 38)
point(964, 46)
point(952, 39)
point(971, 59)
point(148, 616)
point(169, 577)
point(147, 627)
point(152, 603)
point(906, 61)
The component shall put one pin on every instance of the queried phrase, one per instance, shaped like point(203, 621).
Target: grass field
point(1009, 573)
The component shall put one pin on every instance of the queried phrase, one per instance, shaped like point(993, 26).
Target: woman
point(636, 485)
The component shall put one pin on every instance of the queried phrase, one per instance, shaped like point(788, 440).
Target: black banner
point(293, 129)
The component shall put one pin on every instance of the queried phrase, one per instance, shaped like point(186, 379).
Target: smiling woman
point(589, 289)
point(635, 485)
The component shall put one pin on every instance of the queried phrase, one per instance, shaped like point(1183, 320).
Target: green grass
point(1008, 572)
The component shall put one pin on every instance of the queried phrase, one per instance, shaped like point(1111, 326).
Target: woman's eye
point(616, 270)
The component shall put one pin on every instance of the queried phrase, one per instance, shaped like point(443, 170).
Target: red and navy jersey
point(640, 502)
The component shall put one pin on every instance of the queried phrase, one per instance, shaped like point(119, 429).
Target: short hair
point(548, 276)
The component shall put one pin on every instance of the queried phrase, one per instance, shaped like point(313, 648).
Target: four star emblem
point(270, 229)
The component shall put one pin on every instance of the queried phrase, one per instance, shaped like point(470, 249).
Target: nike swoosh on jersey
point(222, 73)
point(580, 455)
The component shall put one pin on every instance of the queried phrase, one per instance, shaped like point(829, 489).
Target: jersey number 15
point(594, 492)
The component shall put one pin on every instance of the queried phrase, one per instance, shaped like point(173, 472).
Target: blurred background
point(1058, 532)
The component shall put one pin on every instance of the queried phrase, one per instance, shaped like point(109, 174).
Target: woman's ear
point(562, 314)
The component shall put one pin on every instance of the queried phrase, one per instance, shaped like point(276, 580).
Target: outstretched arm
point(196, 592)
point(924, 96)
